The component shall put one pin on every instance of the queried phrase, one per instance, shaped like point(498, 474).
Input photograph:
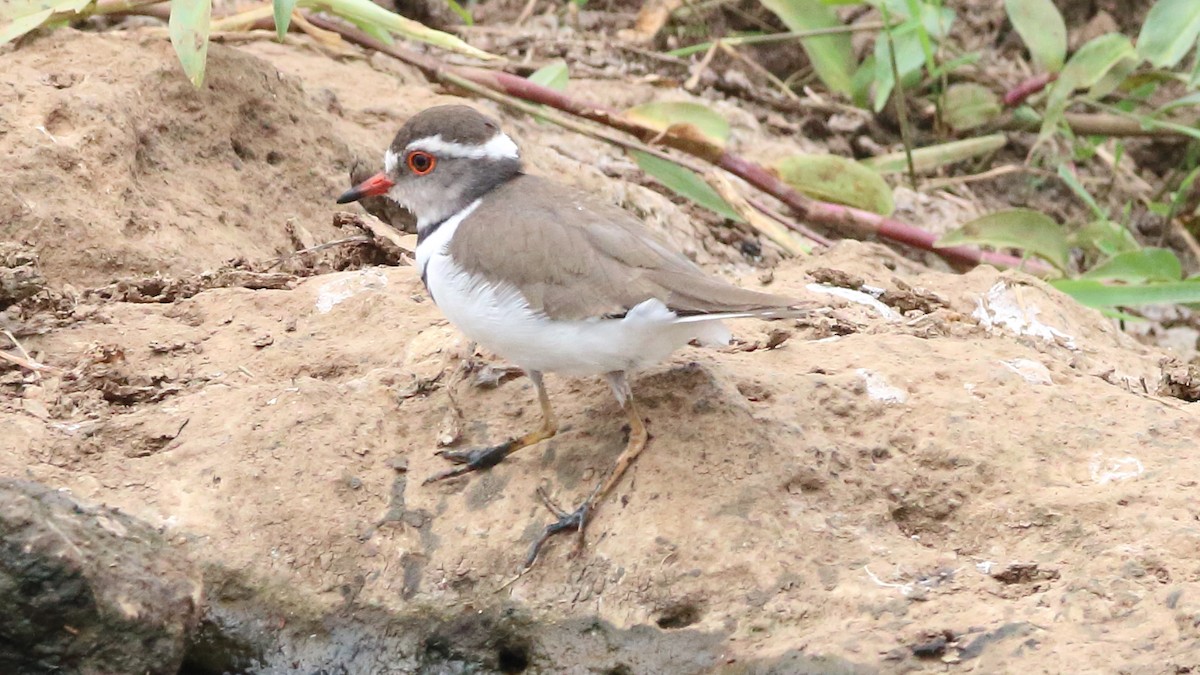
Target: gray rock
point(89, 589)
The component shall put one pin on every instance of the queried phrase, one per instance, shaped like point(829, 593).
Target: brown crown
point(454, 123)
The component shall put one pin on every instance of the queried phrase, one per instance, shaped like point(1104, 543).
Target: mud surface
point(946, 472)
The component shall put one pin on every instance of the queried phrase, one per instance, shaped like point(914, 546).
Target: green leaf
point(909, 59)
point(935, 156)
point(1115, 77)
point(1041, 26)
point(553, 75)
point(366, 13)
point(23, 24)
point(1085, 68)
point(831, 55)
point(967, 106)
point(860, 85)
point(831, 178)
point(1169, 32)
point(1068, 176)
point(1098, 294)
point(685, 183)
point(1136, 267)
point(462, 12)
point(1105, 236)
point(934, 19)
point(1031, 231)
point(283, 16)
point(11, 10)
point(189, 35)
point(923, 33)
point(18, 17)
point(663, 115)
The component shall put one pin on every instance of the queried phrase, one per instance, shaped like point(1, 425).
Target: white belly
point(499, 318)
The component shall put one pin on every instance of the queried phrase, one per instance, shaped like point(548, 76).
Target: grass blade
point(685, 183)
point(283, 16)
point(189, 35)
point(935, 156)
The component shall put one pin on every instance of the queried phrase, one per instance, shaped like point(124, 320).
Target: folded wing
point(581, 259)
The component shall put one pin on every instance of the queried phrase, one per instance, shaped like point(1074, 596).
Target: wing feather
point(579, 258)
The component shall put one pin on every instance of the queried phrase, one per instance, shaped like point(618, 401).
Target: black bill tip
point(352, 195)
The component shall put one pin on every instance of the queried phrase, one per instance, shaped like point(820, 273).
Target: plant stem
point(901, 101)
point(779, 37)
point(1082, 124)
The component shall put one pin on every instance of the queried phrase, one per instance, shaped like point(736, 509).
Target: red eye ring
point(421, 162)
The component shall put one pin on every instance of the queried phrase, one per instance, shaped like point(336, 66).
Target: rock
point(89, 589)
point(20, 277)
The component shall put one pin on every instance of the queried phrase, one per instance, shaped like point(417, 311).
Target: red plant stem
point(1017, 95)
point(841, 218)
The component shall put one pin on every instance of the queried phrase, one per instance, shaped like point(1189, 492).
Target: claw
point(449, 473)
point(574, 521)
point(471, 460)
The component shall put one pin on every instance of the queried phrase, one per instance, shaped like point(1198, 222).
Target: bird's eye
point(421, 162)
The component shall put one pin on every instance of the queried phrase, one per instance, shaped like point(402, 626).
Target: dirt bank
point(974, 474)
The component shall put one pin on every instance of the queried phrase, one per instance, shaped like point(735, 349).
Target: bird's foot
point(472, 460)
point(575, 521)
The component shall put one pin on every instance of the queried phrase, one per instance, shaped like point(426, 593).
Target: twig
point(526, 12)
point(841, 218)
point(762, 224)
point(1017, 95)
point(243, 20)
point(359, 239)
point(24, 360)
point(738, 40)
point(806, 232)
point(694, 80)
point(941, 183)
point(379, 230)
point(760, 69)
point(155, 8)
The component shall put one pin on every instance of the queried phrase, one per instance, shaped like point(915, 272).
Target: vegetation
point(1082, 105)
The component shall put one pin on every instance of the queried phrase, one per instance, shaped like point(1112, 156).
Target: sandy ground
point(975, 477)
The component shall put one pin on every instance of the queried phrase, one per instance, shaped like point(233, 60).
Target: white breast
point(499, 318)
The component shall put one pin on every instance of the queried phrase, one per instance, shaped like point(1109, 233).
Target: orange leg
point(485, 458)
point(578, 519)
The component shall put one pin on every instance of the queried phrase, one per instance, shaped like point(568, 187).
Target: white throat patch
point(436, 242)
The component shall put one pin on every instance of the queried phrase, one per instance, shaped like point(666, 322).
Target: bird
point(547, 277)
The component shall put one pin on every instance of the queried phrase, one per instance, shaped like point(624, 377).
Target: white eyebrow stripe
point(390, 160)
point(499, 146)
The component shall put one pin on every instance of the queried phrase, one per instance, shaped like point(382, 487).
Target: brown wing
point(580, 258)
